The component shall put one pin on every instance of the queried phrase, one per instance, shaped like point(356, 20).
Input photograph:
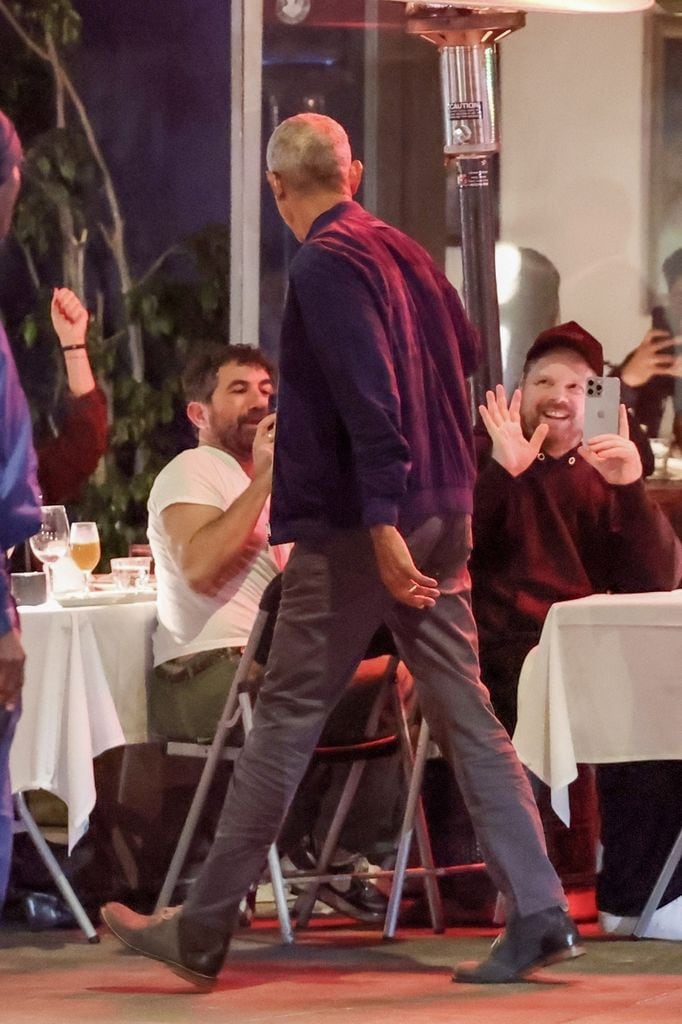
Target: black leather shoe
point(194, 953)
point(361, 900)
point(44, 910)
point(526, 944)
point(358, 898)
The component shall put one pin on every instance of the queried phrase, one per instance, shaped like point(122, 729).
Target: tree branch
point(21, 32)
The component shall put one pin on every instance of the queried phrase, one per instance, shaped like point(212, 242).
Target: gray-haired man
point(373, 479)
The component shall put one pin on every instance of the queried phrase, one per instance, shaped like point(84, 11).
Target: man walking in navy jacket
point(373, 480)
point(19, 509)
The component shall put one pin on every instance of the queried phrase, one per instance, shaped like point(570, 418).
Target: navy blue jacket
point(19, 497)
point(373, 419)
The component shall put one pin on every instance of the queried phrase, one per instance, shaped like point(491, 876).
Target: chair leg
point(50, 862)
point(279, 892)
point(188, 830)
point(672, 860)
point(424, 841)
point(276, 877)
point(306, 901)
point(227, 721)
point(414, 820)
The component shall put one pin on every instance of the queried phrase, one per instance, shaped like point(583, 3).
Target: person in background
point(68, 454)
point(652, 372)
point(555, 520)
point(208, 531)
point(19, 509)
point(373, 478)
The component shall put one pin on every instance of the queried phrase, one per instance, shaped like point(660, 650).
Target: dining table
point(84, 693)
point(87, 658)
point(604, 685)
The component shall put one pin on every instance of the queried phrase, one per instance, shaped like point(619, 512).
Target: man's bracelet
point(72, 348)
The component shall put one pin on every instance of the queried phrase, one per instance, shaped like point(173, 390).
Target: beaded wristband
point(71, 348)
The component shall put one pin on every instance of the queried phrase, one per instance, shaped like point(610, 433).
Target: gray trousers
point(332, 603)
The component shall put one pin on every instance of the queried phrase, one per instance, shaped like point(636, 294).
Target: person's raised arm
point(208, 544)
point(70, 321)
point(511, 449)
point(650, 359)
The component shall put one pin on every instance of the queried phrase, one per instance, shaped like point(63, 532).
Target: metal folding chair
point(238, 707)
point(28, 824)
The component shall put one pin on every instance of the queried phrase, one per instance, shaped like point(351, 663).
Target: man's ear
point(355, 176)
point(197, 415)
point(276, 184)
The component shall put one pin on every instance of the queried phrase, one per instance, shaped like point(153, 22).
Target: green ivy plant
point(67, 208)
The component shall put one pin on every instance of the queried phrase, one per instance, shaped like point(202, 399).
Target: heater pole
point(467, 41)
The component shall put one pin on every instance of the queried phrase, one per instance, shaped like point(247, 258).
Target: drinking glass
point(661, 446)
point(85, 549)
point(51, 542)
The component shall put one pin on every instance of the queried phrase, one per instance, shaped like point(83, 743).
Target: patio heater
point(467, 35)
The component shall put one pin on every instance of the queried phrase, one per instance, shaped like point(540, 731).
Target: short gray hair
point(310, 151)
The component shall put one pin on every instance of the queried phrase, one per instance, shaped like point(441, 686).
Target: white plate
point(104, 597)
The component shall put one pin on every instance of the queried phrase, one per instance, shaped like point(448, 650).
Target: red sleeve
point(67, 461)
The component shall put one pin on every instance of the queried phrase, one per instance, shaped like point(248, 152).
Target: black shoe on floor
point(526, 944)
point(195, 954)
point(44, 910)
point(360, 899)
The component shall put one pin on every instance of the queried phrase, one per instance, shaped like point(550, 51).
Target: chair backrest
point(381, 643)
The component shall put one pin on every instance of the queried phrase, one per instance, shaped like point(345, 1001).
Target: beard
point(237, 437)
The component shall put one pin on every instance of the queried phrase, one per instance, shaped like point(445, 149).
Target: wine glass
point(85, 549)
point(51, 542)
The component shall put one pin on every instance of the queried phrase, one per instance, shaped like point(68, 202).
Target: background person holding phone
point(652, 372)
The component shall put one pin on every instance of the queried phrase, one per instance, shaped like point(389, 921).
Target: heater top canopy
point(559, 6)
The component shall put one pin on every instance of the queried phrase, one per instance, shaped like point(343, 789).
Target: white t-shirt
point(190, 622)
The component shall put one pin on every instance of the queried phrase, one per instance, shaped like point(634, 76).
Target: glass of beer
point(85, 550)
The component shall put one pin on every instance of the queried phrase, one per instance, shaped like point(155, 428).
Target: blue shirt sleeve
point(19, 493)
point(352, 346)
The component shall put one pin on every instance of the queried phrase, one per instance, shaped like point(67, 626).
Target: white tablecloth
point(84, 692)
point(603, 685)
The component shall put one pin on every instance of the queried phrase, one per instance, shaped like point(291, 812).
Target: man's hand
point(648, 360)
point(511, 449)
point(399, 574)
point(12, 659)
point(263, 447)
point(69, 317)
point(615, 456)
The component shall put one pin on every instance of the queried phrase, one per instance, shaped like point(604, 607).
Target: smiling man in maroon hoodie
point(555, 520)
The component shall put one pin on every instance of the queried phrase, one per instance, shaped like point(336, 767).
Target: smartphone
point(660, 322)
point(659, 319)
point(272, 402)
point(602, 405)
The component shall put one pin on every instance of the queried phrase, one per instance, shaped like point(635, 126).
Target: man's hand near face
point(511, 448)
point(650, 359)
point(614, 456)
point(264, 446)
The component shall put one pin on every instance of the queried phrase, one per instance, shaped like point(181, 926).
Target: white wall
point(574, 164)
